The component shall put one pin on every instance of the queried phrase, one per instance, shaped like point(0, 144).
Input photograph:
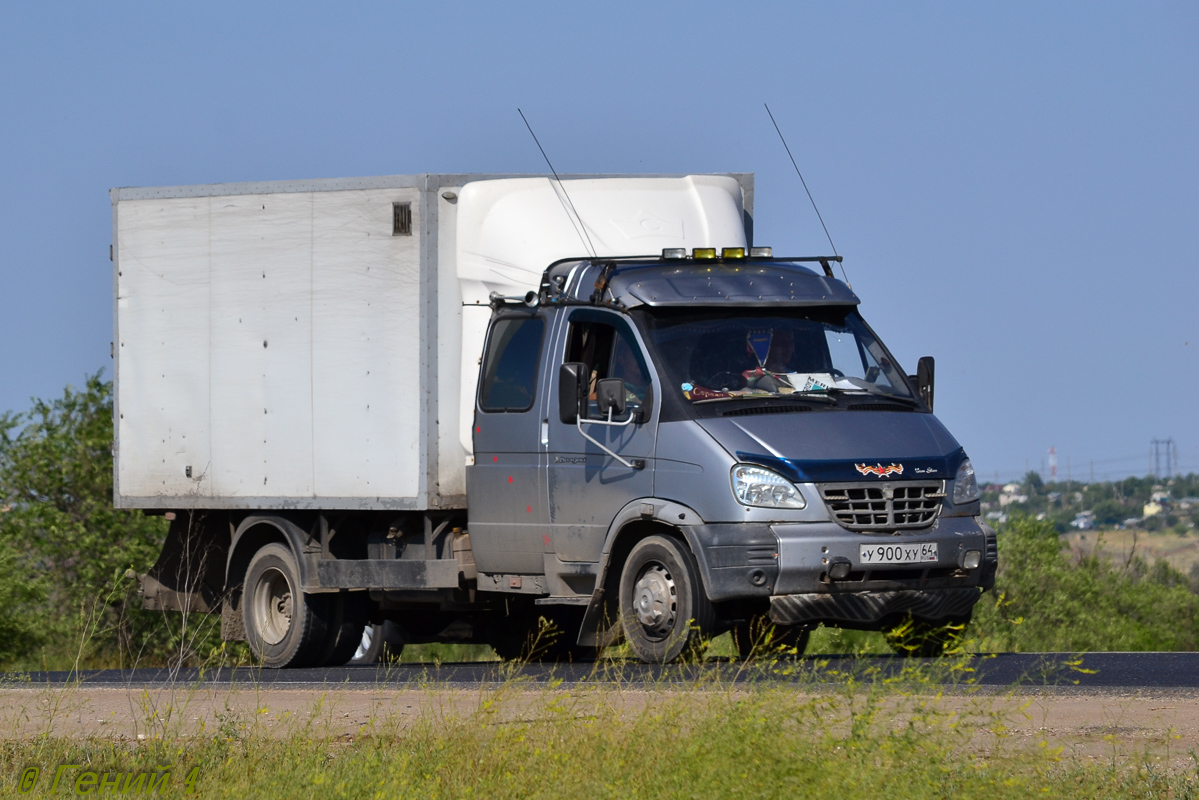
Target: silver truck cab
point(681, 445)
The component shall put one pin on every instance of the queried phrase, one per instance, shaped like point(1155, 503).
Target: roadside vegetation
point(66, 601)
point(866, 735)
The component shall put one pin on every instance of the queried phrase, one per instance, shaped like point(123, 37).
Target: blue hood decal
point(939, 468)
point(842, 445)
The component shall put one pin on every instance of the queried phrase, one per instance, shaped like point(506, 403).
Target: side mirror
point(573, 378)
point(610, 396)
point(925, 374)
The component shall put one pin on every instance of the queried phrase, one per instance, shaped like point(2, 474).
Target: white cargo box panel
point(302, 344)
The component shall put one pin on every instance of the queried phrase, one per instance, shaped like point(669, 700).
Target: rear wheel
point(663, 608)
point(759, 636)
point(347, 612)
point(380, 642)
point(284, 626)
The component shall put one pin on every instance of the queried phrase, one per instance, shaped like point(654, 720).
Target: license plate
point(897, 553)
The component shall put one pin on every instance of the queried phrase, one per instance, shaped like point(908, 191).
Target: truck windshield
point(743, 354)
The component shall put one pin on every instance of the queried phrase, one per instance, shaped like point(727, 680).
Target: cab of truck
point(712, 440)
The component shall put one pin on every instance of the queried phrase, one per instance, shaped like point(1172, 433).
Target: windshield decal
point(759, 345)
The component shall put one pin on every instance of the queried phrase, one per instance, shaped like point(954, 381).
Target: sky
point(1014, 186)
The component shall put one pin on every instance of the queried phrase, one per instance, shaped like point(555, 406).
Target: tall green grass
point(867, 737)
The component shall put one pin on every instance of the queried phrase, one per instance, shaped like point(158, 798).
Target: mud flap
point(190, 572)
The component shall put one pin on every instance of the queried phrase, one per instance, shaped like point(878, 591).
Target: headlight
point(758, 486)
point(965, 487)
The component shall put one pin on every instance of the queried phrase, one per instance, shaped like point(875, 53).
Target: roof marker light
point(704, 253)
point(761, 252)
point(733, 252)
point(674, 252)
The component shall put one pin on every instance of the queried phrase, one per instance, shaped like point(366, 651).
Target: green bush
point(22, 592)
point(1048, 600)
point(63, 547)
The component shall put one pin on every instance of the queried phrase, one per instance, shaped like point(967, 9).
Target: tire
point(379, 642)
point(347, 618)
point(284, 626)
point(759, 636)
point(663, 608)
point(915, 638)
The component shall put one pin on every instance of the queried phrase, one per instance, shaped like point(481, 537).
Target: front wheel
point(664, 610)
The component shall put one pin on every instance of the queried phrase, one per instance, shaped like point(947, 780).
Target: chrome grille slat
point(877, 506)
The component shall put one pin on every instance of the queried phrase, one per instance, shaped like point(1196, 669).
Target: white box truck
point(457, 404)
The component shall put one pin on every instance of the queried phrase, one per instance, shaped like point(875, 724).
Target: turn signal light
point(733, 252)
point(704, 253)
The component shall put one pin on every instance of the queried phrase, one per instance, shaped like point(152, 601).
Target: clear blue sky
point(1014, 186)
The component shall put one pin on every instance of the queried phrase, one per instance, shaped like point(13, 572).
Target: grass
point(866, 736)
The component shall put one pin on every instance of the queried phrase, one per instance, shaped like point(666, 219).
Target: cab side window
point(609, 353)
point(510, 365)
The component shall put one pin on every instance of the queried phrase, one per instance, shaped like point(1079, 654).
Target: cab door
point(505, 509)
point(584, 486)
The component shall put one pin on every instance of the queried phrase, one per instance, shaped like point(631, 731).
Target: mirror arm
point(636, 463)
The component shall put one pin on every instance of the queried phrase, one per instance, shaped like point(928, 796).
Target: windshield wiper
point(822, 397)
point(885, 398)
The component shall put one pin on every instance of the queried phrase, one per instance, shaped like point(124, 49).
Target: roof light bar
point(704, 253)
point(674, 252)
point(733, 252)
point(761, 252)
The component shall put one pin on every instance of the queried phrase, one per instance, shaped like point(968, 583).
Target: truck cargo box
point(314, 344)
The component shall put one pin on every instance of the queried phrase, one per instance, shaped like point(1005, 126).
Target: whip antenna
point(583, 234)
point(805, 188)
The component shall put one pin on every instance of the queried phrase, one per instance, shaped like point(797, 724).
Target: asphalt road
point(1029, 670)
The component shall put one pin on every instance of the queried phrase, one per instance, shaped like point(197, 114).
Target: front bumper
point(760, 560)
point(870, 610)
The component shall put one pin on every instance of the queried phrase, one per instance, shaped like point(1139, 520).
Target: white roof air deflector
point(511, 229)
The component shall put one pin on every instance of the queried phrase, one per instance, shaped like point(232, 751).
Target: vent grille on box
point(401, 219)
point(884, 507)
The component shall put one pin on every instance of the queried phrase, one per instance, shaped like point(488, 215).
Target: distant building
point(1007, 498)
point(1151, 509)
point(1084, 520)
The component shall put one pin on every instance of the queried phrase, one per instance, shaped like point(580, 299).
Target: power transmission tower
point(1164, 451)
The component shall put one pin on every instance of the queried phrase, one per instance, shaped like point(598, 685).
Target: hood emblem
point(878, 470)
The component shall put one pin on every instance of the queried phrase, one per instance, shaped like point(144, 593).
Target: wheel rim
point(273, 600)
point(364, 647)
point(656, 601)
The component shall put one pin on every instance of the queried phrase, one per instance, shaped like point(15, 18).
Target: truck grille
point(884, 506)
